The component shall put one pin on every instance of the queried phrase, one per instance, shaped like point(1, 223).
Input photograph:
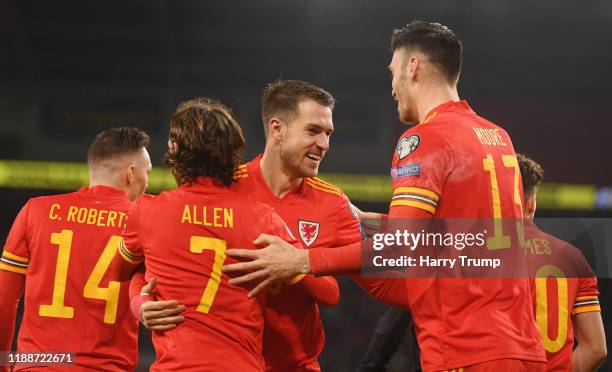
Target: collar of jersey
point(292, 196)
point(204, 184)
point(461, 106)
point(103, 190)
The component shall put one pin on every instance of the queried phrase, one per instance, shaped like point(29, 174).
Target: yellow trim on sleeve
point(586, 309)
point(14, 269)
point(322, 188)
point(14, 257)
point(416, 190)
point(296, 279)
point(411, 203)
point(325, 184)
point(585, 298)
point(128, 259)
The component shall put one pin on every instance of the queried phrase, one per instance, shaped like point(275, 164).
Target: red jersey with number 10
point(64, 245)
point(183, 235)
point(456, 164)
point(563, 285)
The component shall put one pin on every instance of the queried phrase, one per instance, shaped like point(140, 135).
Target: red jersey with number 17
point(183, 235)
point(64, 245)
point(319, 215)
point(456, 164)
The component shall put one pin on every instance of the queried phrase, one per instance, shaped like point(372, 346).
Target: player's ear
point(130, 174)
point(275, 128)
point(530, 205)
point(412, 66)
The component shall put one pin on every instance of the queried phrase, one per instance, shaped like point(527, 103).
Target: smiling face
point(304, 140)
point(402, 86)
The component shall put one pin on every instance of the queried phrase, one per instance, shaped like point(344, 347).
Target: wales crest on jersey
point(309, 231)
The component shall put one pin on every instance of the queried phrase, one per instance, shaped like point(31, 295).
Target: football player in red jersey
point(297, 119)
point(182, 235)
point(63, 245)
point(564, 291)
point(453, 164)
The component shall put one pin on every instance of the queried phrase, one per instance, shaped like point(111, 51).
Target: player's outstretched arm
point(591, 351)
point(154, 315)
point(371, 222)
point(11, 290)
point(323, 290)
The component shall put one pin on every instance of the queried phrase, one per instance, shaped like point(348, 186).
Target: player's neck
point(98, 182)
point(279, 180)
point(434, 95)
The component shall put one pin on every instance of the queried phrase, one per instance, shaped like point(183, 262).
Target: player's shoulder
point(44, 201)
point(322, 189)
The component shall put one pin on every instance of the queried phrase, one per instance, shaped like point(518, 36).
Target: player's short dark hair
point(116, 141)
point(209, 142)
point(281, 99)
point(531, 173)
point(434, 40)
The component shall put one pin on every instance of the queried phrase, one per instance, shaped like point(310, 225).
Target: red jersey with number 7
point(456, 164)
point(64, 245)
point(183, 235)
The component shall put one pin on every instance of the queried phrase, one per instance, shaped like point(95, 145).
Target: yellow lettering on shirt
point(537, 247)
point(489, 137)
point(186, 215)
point(52, 212)
point(101, 218)
point(122, 219)
point(201, 215)
point(72, 211)
point(112, 215)
point(91, 216)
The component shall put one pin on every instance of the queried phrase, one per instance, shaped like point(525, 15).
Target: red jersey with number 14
point(64, 245)
point(456, 164)
point(183, 235)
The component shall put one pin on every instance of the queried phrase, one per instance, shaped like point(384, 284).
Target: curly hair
point(531, 173)
point(207, 142)
point(116, 141)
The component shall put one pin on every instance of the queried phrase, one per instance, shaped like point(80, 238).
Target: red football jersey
point(64, 245)
point(456, 164)
point(564, 286)
point(318, 214)
point(183, 235)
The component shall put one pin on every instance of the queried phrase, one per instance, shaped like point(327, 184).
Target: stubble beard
point(293, 162)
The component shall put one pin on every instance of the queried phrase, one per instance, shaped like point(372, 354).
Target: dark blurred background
point(69, 69)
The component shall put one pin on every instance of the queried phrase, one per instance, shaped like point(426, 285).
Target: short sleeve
point(587, 293)
point(129, 247)
point(348, 228)
point(16, 254)
point(421, 164)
